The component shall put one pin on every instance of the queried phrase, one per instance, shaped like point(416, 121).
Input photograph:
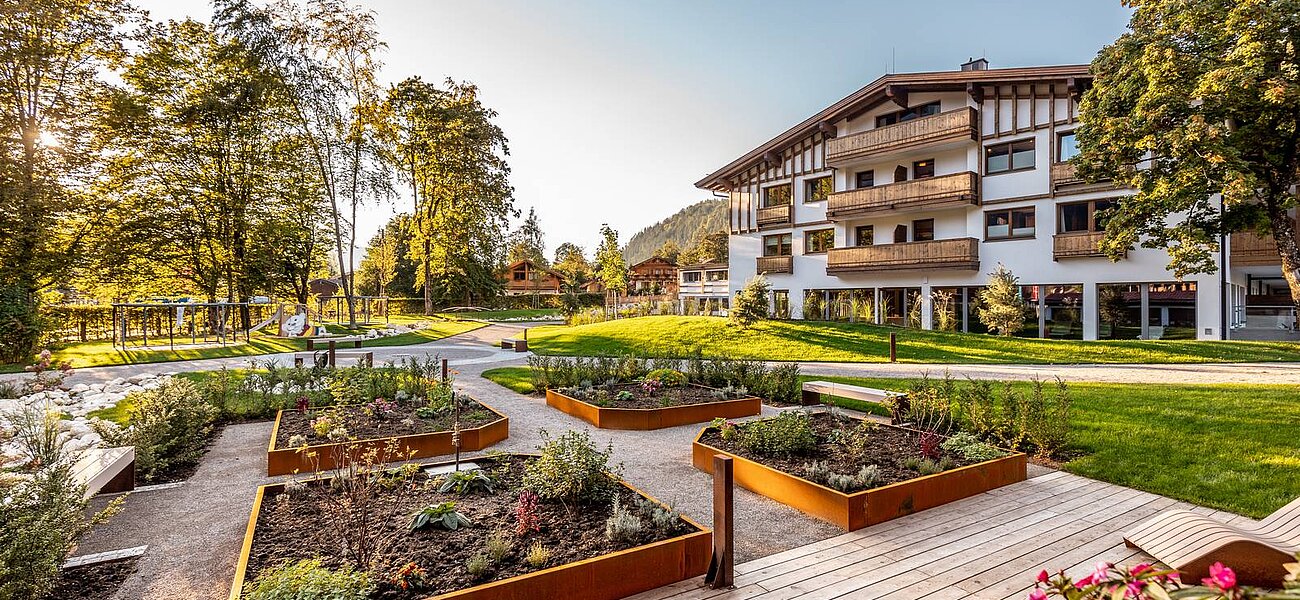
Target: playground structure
point(334, 309)
point(137, 324)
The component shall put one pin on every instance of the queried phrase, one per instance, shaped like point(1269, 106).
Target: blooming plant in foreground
point(1144, 581)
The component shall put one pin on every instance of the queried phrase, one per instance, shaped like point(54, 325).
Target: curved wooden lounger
point(1190, 543)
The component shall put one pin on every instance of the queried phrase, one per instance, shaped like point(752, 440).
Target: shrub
point(498, 546)
point(309, 580)
point(538, 555)
point(169, 426)
point(971, 447)
point(442, 516)
point(1037, 421)
point(1002, 308)
point(667, 377)
point(20, 324)
point(788, 434)
point(623, 526)
point(478, 565)
point(751, 303)
point(465, 482)
point(571, 470)
point(924, 466)
point(526, 518)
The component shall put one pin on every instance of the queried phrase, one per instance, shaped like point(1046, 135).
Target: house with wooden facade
point(703, 285)
point(653, 277)
point(524, 277)
point(893, 205)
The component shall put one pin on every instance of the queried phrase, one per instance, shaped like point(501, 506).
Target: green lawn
point(94, 354)
point(501, 315)
point(1222, 446)
point(845, 342)
point(517, 379)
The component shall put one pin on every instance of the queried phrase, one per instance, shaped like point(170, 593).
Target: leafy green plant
point(924, 466)
point(788, 434)
point(971, 447)
point(465, 482)
point(310, 580)
point(443, 515)
point(169, 426)
point(570, 469)
point(667, 377)
point(725, 428)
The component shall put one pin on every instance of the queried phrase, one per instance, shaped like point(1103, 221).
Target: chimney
point(976, 64)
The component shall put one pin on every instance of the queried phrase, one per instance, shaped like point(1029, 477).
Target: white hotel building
point(894, 204)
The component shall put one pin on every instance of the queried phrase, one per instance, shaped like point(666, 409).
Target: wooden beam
point(772, 157)
point(976, 93)
point(1075, 87)
point(722, 567)
point(898, 94)
point(827, 129)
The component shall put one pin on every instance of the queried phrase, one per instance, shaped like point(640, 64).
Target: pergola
point(207, 322)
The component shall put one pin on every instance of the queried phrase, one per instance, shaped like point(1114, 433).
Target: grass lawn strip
point(678, 337)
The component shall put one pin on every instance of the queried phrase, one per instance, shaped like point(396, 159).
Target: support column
point(1088, 313)
point(927, 306)
point(1146, 306)
point(879, 317)
point(965, 309)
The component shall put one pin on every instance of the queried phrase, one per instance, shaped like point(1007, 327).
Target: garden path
point(1210, 373)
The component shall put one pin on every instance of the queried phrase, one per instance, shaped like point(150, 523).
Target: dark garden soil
point(302, 525)
point(365, 423)
point(94, 582)
point(887, 447)
point(633, 395)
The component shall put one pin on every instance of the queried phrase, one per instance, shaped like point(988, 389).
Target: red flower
point(1042, 576)
point(1221, 578)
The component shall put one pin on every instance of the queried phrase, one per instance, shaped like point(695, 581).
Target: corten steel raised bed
point(867, 507)
point(324, 457)
point(641, 419)
point(606, 577)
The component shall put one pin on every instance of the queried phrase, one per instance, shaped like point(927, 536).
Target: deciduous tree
point(611, 268)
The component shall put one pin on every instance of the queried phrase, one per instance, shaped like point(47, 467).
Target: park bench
point(813, 391)
point(106, 470)
point(334, 342)
point(518, 344)
point(329, 358)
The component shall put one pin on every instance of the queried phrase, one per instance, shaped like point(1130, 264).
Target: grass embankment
point(95, 354)
point(1221, 446)
point(845, 342)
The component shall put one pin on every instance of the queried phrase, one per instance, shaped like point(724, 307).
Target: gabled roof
point(653, 259)
point(514, 265)
point(878, 91)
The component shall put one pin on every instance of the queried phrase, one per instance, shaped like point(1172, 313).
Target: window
point(1009, 224)
point(717, 275)
point(908, 114)
point(816, 190)
point(780, 304)
point(864, 235)
point(864, 179)
point(1080, 217)
point(922, 230)
point(777, 245)
point(1066, 147)
point(777, 195)
point(923, 168)
point(900, 234)
point(818, 241)
point(520, 275)
point(1011, 156)
point(691, 277)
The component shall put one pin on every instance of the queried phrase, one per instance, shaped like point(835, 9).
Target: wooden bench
point(106, 470)
point(334, 342)
point(329, 358)
point(813, 391)
point(519, 344)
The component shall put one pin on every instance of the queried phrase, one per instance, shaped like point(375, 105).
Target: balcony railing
point(1248, 249)
point(775, 264)
point(946, 127)
point(960, 254)
point(944, 191)
point(1065, 179)
point(774, 216)
point(1074, 245)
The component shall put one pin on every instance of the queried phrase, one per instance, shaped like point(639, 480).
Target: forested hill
point(679, 228)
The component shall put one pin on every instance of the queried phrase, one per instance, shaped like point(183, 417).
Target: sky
point(615, 108)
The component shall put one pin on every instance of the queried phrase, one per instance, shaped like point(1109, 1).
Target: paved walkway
point(1274, 373)
point(987, 547)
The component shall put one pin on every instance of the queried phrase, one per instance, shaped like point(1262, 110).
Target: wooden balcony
point(1246, 249)
point(960, 254)
point(776, 216)
point(944, 191)
point(946, 127)
point(1065, 180)
point(1076, 245)
point(776, 264)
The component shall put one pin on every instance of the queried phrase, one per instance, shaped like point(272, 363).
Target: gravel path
point(194, 531)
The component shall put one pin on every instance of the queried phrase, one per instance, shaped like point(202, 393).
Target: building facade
point(703, 288)
point(653, 277)
point(894, 204)
point(523, 277)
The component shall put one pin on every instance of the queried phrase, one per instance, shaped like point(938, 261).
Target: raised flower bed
point(307, 439)
point(642, 406)
point(503, 541)
point(854, 474)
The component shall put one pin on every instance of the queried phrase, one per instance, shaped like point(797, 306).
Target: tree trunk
point(1288, 248)
point(428, 283)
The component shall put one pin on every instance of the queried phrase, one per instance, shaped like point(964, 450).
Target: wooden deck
point(989, 546)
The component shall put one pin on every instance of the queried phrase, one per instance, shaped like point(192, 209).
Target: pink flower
point(1221, 578)
point(1038, 594)
point(1139, 569)
point(1042, 576)
point(1099, 574)
point(1134, 589)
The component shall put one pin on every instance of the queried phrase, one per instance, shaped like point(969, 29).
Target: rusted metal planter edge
point(286, 461)
point(605, 577)
point(868, 507)
point(645, 419)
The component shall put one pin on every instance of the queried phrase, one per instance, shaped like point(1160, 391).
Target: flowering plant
point(410, 576)
point(651, 386)
point(44, 378)
point(1144, 581)
point(380, 408)
point(302, 403)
